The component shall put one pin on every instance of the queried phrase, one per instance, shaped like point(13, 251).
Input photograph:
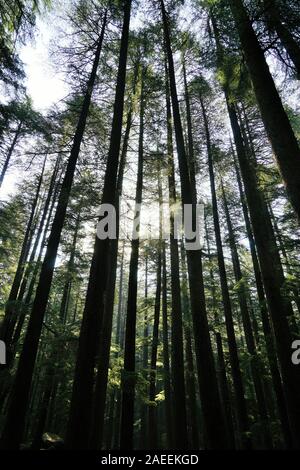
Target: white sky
point(43, 84)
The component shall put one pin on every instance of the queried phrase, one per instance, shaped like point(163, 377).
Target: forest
point(132, 339)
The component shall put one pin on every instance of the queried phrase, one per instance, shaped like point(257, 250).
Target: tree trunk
point(241, 406)
point(144, 407)
point(128, 379)
point(224, 392)
point(270, 266)
point(10, 152)
point(166, 355)
point(177, 357)
point(250, 341)
point(105, 337)
point(153, 424)
point(29, 293)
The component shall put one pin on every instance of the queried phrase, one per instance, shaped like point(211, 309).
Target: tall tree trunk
point(63, 311)
point(241, 407)
point(105, 337)
point(211, 406)
point(153, 423)
point(166, 354)
point(78, 428)
point(268, 334)
point(190, 139)
point(224, 391)
point(13, 429)
point(278, 127)
point(128, 379)
point(28, 269)
point(144, 407)
point(191, 385)
point(177, 356)
point(250, 341)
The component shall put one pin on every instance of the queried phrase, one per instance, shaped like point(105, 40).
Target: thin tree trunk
point(38, 235)
point(224, 392)
point(63, 311)
point(29, 293)
point(250, 342)
point(166, 355)
point(144, 407)
point(10, 152)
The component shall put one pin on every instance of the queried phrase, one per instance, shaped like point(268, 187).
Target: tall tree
point(211, 407)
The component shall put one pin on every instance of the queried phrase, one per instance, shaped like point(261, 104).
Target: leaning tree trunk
point(14, 424)
point(29, 293)
point(211, 406)
point(10, 152)
point(278, 127)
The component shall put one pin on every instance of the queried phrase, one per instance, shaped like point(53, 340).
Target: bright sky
point(43, 84)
